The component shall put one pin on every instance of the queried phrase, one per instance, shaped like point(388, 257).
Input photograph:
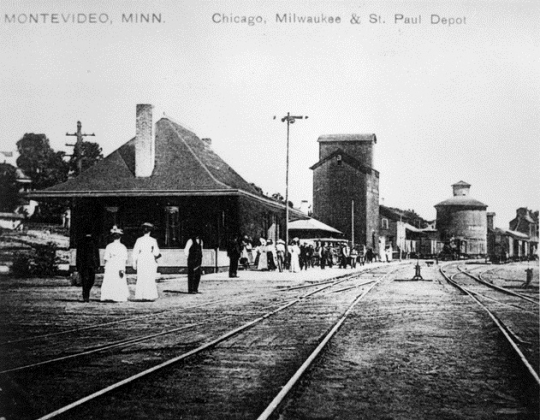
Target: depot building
point(168, 176)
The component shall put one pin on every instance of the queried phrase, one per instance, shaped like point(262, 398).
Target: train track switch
point(417, 274)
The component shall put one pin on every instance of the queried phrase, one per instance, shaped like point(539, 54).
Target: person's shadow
point(176, 291)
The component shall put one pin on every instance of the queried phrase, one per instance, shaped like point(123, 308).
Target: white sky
point(446, 103)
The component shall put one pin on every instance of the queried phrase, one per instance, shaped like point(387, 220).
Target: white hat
point(116, 230)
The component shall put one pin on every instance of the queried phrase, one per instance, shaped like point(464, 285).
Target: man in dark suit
point(194, 252)
point(234, 250)
point(87, 263)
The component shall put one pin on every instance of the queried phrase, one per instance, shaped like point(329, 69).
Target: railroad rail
point(122, 344)
point(504, 312)
point(284, 303)
point(498, 288)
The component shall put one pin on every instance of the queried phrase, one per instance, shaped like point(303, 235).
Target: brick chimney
point(144, 142)
point(490, 220)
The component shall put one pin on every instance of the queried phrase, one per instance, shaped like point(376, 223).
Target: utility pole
point(77, 147)
point(290, 120)
point(352, 223)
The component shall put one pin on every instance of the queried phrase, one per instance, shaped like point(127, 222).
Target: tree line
point(45, 167)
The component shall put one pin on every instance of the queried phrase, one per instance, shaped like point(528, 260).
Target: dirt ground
point(417, 350)
point(411, 350)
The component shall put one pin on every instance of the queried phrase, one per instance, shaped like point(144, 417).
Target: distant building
point(526, 222)
point(174, 180)
point(462, 221)
point(346, 187)
point(507, 244)
point(406, 233)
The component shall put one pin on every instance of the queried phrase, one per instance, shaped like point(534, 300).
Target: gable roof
point(512, 233)
point(392, 213)
point(396, 214)
point(348, 159)
point(311, 224)
point(184, 164)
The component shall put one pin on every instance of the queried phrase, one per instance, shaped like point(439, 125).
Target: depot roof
point(185, 165)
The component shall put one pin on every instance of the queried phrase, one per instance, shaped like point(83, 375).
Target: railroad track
point(153, 356)
point(72, 343)
point(514, 313)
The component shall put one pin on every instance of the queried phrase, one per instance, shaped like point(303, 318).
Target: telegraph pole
point(290, 120)
point(77, 147)
point(352, 223)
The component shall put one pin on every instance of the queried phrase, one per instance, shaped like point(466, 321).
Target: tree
point(40, 162)
point(259, 189)
point(277, 196)
point(46, 168)
point(9, 190)
point(90, 154)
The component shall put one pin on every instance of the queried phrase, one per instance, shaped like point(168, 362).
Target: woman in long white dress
point(294, 250)
point(145, 255)
point(263, 257)
point(114, 286)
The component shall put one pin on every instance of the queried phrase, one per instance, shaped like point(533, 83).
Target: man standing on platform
point(193, 252)
point(280, 250)
point(87, 262)
point(234, 251)
point(344, 255)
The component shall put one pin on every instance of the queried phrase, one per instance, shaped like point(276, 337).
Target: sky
point(446, 102)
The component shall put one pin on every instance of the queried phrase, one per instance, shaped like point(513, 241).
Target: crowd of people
point(298, 255)
point(265, 256)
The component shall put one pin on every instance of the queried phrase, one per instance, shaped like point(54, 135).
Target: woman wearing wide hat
point(294, 251)
point(145, 256)
point(262, 256)
point(114, 286)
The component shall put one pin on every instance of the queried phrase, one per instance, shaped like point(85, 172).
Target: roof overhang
point(162, 193)
point(412, 228)
point(514, 234)
point(128, 193)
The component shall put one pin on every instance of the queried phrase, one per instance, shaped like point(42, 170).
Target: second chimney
point(144, 142)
